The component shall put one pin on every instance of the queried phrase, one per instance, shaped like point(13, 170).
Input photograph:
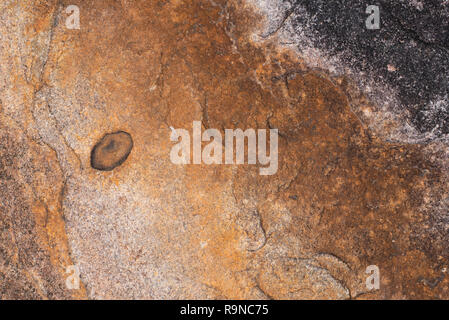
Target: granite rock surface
point(362, 178)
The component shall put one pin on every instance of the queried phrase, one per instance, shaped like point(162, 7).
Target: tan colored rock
point(342, 199)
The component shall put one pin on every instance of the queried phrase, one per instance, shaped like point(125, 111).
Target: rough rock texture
point(344, 197)
point(403, 67)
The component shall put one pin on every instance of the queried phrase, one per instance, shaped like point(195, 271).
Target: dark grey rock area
point(409, 53)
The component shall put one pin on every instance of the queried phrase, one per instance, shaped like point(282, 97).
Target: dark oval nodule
point(111, 151)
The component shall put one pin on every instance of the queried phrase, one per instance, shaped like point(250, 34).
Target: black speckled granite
point(413, 38)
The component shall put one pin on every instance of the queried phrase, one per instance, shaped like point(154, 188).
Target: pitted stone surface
point(344, 196)
point(111, 151)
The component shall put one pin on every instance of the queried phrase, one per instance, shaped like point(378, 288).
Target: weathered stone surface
point(344, 197)
point(403, 67)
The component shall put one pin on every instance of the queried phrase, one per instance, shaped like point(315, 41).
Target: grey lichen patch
point(111, 151)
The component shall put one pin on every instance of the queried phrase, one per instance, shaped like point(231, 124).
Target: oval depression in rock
point(111, 151)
